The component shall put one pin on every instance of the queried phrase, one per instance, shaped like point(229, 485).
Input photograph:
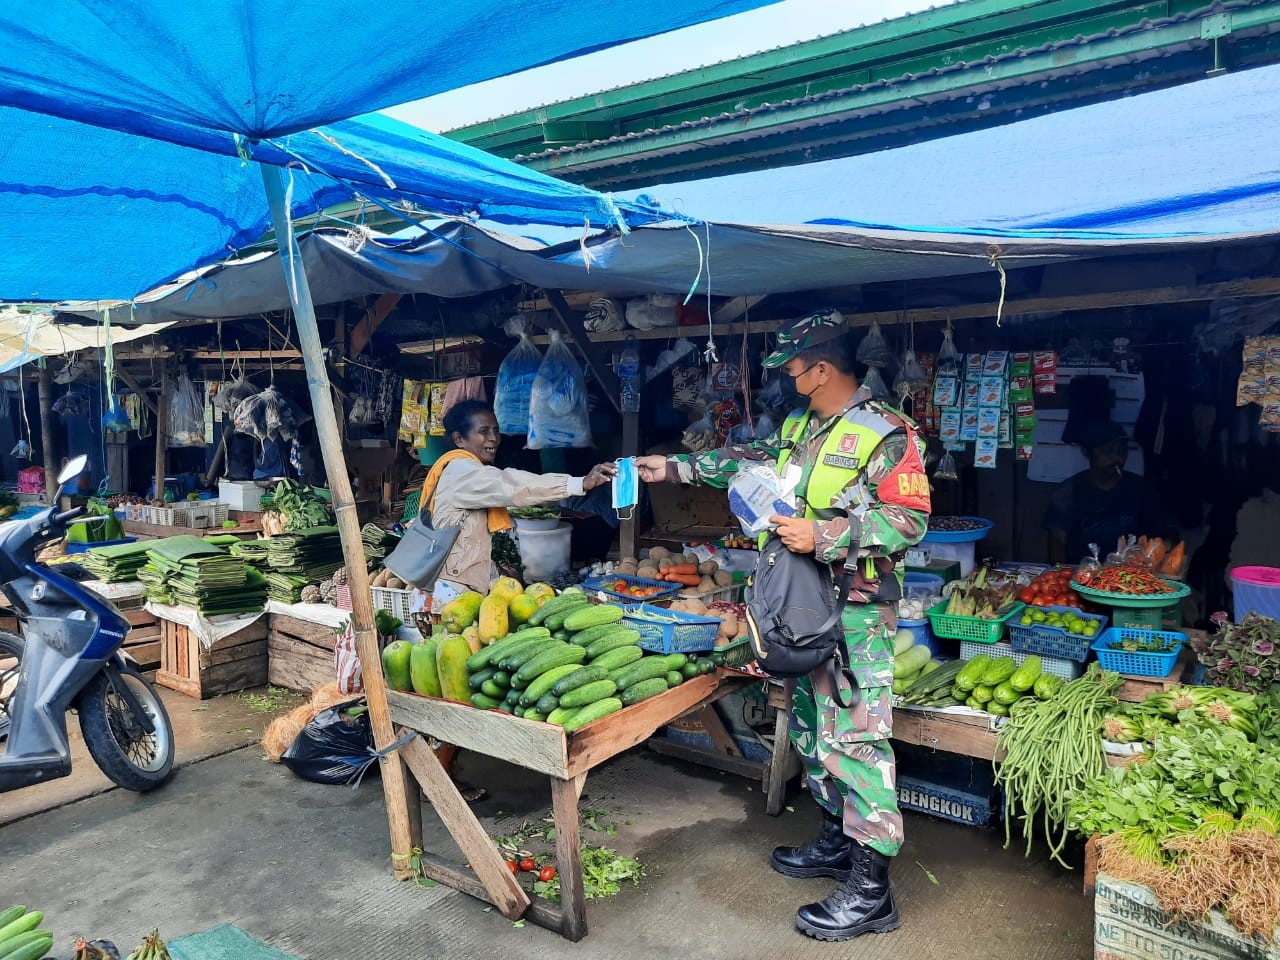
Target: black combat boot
point(862, 904)
point(825, 856)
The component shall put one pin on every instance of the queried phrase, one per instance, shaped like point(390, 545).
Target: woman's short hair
point(460, 417)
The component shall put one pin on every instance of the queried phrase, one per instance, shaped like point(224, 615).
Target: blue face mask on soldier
point(626, 488)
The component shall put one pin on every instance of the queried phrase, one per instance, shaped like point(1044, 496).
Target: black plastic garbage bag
point(334, 747)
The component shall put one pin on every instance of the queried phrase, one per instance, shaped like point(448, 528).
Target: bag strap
point(842, 648)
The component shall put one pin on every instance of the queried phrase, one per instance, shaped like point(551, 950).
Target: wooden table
point(565, 758)
point(961, 733)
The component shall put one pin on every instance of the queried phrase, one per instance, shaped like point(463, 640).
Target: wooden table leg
point(504, 891)
point(776, 775)
point(573, 901)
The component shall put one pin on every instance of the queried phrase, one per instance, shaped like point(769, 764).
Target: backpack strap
point(839, 662)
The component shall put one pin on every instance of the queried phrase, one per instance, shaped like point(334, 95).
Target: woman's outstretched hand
point(600, 473)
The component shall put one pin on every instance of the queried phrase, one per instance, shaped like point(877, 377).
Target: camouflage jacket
point(883, 532)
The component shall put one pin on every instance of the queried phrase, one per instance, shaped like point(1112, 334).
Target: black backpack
point(794, 609)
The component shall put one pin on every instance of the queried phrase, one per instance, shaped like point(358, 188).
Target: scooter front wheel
point(126, 753)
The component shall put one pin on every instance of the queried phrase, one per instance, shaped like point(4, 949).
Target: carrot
point(682, 568)
point(687, 579)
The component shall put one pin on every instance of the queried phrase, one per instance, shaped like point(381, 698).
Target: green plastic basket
point(973, 629)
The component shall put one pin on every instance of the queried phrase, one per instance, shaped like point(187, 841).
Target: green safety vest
point(848, 444)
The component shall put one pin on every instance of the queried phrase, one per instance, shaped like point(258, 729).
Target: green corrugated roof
point(958, 67)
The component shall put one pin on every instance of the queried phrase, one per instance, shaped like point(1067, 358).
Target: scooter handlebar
point(62, 519)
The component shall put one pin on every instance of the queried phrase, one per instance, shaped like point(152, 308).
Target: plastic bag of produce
point(948, 355)
point(874, 349)
point(515, 386)
point(186, 414)
point(875, 383)
point(335, 747)
point(558, 413)
point(346, 661)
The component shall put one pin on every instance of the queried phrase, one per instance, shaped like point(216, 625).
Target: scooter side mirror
point(73, 468)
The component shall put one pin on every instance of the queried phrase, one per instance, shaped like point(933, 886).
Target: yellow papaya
point(472, 636)
point(541, 592)
point(494, 620)
point(451, 663)
point(506, 588)
point(522, 608)
point(461, 612)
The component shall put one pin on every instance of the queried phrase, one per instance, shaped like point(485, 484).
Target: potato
point(691, 558)
point(647, 573)
point(659, 553)
point(722, 578)
point(695, 606)
point(708, 568)
point(664, 565)
point(730, 625)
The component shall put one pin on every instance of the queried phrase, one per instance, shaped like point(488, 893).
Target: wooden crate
point(1137, 689)
point(142, 642)
point(233, 663)
point(299, 654)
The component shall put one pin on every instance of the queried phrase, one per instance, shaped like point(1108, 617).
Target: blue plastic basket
point(667, 631)
point(598, 585)
point(1054, 641)
point(1137, 664)
point(74, 548)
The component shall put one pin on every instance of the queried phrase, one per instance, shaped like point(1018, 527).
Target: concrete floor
point(201, 729)
point(305, 867)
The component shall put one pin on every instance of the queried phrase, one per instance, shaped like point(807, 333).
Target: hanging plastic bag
point(946, 467)
point(948, 355)
point(186, 414)
point(269, 415)
point(115, 419)
point(874, 349)
point(515, 385)
point(558, 412)
point(875, 383)
point(230, 395)
point(911, 376)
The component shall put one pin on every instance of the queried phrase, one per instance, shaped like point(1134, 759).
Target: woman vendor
point(1103, 503)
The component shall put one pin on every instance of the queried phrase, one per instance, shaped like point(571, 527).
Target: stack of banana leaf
point(377, 542)
point(116, 563)
point(311, 555)
point(253, 552)
point(201, 574)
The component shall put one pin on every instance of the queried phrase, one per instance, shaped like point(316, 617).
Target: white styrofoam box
point(965, 553)
point(240, 494)
point(1130, 924)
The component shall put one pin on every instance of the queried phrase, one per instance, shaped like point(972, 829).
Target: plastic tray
point(598, 585)
point(666, 631)
point(960, 536)
point(1137, 664)
point(955, 627)
point(1133, 600)
point(1055, 641)
point(1059, 667)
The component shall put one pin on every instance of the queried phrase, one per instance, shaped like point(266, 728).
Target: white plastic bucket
point(545, 553)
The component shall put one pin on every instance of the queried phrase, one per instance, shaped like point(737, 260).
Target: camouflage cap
point(796, 336)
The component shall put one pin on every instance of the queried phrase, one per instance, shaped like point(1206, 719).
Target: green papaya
point(395, 664)
point(422, 667)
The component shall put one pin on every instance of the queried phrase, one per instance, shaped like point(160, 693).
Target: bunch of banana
point(20, 935)
point(153, 948)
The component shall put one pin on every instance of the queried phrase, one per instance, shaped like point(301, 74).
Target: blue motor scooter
point(68, 657)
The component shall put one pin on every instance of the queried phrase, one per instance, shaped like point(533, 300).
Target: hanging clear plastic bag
point(946, 467)
point(700, 437)
point(186, 414)
point(515, 383)
point(231, 394)
point(269, 415)
point(1089, 566)
point(948, 355)
point(874, 349)
point(911, 376)
point(875, 383)
point(558, 411)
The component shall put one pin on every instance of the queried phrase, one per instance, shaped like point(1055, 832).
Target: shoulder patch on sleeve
point(907, 484)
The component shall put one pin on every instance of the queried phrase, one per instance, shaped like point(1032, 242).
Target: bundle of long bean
point(1052, 749)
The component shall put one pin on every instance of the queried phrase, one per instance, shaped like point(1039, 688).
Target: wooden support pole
point(630, 448)
point(573, 900)
point(395, 781)
point(48, 448)
point(128, 380)
point(162, 428)
point(364, 330)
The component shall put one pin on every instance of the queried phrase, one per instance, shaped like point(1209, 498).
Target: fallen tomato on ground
point(547, 874)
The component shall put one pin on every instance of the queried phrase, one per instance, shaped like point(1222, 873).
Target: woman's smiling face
point(482, 438)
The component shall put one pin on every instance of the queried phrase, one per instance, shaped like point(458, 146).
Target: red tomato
point(1026, 595)
point(547, 874)
point(528, 865)
point(513, 867)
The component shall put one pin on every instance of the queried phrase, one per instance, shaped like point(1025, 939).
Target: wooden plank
point(611, 735)
point(372, 319)
point(944, 732)
point(535, 746)
point(161, 431)
point(775, 779)
point(183, 685)
point(733, 309)
point(542, 912)
point(573, 900)
point(1090, 865)
point(147, 654)
point(127, 379)
point(316, 634)
point(707, 757)
point(155, 531)
point(715, 729)
point(241, 651)
point(504, 891)
point(630, 448)
point(1137, 689)
point(139, 617)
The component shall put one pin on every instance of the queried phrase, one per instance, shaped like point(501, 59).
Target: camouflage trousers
point(846, 751)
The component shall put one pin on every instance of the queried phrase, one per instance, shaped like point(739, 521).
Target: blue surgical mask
point(626, 488)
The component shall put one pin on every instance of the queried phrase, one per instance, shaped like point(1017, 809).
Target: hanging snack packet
point(435, 417)
point(874, 349)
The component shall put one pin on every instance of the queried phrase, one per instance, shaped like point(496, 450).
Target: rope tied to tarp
point(355, 156)
point(993, 253)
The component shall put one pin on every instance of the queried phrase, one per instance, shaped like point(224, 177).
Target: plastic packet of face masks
point(759, 492)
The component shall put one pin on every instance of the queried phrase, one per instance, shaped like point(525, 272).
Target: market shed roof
point(960, 67)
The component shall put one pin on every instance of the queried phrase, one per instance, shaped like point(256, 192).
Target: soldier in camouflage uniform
point(864, 487)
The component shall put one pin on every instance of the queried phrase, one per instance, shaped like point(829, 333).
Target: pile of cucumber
point(572, 663)
point(20, 935)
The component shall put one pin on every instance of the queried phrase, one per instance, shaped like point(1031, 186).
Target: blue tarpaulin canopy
point(124, 126)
